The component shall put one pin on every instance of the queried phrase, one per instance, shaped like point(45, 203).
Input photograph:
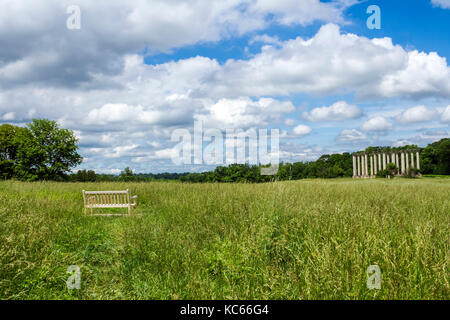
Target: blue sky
point(134, 73)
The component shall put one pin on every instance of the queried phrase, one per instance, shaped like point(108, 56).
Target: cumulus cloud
point(446, 115)
point(338, 111)
point(416, 114)
point(9, 116)
point(292, 12)
point(302, 130)
point(351, 135)
point(377, 125)
point(332, 62)
point(289, 122)
point(423, 138)
point(243, 112)
point(265, 39)
point(444, 4)
point(37, 46)
point(425, 75)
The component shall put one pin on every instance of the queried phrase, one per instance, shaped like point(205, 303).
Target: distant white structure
point(367, 165)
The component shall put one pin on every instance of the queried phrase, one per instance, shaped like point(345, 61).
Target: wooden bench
point(108, 199)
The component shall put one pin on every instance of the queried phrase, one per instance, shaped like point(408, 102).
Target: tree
point(444, 157)
point(435, 158)
point(127, 174)
point(8, 149)
point(45, 152)
point(91, 176)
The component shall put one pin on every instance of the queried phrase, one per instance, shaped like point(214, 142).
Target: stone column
point(375, 166)
point(371, 165)
point(379, 161)
point(407, 161)
point(358, 157)
point(384, 161)
point(396, 160)
point(366, 163)
point(403, 162)
point(418, 160)
point(412, 161)
point(354, 165)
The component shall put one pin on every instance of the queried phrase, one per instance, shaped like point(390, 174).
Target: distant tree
point(81, 176)
point(91, 176)
point(45, 152)
point(127, 174)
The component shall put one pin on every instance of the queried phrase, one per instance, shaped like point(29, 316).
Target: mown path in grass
point(309, 239)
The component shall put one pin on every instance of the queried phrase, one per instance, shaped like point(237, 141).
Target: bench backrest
point(106, 199)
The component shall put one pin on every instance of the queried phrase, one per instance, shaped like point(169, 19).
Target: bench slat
point(106, 206)
point(105, 192)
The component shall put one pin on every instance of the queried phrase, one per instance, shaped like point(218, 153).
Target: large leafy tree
point(435, 158)
point(45, 151)
point(8, 150)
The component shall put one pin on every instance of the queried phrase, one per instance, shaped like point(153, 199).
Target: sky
point(126, 76)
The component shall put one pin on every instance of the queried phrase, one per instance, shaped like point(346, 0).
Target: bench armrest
point(134, 205)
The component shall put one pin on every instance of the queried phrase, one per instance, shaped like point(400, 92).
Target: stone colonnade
point(367, 165)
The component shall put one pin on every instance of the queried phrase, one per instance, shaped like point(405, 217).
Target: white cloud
point(292, 12)
point(444, 4)
point(332, 62)
point(423, 138)
point(265, 39)
point(446, 115)
point(289, 122)
point(425, 75)
point(243, 112)
point(37, 46)
point(339, 111)
point(377, 124)
point(351, 135)
point(302, 130)
point(9, 116)
point(126, 114)
point(416, 114)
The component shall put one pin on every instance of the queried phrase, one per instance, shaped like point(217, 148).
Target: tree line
point(125, 176)
point(44, 151)
point(435, 160)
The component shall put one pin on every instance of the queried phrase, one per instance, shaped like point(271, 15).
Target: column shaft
point(366, 166)
point(354, 166)
point(375, 166)
point(359, 165)
point(407, 161)
point(371, 165)
point(418, 160)
point(402, 158)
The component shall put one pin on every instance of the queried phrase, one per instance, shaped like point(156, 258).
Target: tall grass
point(290, 240)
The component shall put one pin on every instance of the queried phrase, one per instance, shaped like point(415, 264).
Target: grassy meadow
point(308, 239)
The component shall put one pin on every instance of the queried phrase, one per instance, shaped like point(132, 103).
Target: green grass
point(310, 239)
